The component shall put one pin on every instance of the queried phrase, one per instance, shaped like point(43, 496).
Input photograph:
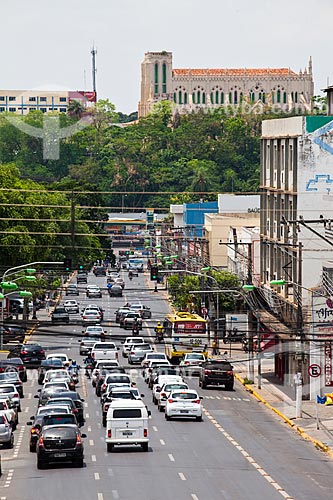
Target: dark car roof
point(11, 361)
point(68, 394)
point(52, 362)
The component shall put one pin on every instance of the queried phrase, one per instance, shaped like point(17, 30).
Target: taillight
point(187, 362)
point(109, 433)
point(75, 410)
point(170, 400)
point(16, 395)
point(24, 352)
point(33, 431)
point(103, 388)
point(163, 395)
point(207, 372)
point(145, 433)
point(198, 401)
point(93, 355)
point(132, 352)
point(230, 373)
point(41, 442)
point(106, 407)
point(116, 355)
point(42, 352)
point(78, 439)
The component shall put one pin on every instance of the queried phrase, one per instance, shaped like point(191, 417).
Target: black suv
point(60, 443)
point(217, 372)
point(11, 332)
point(31, 354)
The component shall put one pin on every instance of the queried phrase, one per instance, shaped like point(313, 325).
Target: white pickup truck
point(104, 350)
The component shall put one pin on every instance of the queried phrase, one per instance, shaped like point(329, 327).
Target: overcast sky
point(47, 43)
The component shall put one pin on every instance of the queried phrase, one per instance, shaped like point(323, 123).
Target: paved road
point(240, 450)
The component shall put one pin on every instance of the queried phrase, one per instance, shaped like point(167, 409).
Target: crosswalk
point(226, 398)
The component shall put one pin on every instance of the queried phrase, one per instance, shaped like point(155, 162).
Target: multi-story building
point(22, 101)
point(193, 89)
point(296, 211)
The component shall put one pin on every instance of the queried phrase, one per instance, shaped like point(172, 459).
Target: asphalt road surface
point(240, 450)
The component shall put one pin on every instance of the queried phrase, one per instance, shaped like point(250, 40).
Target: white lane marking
point(100, 496)
point(110, 472)
point(93, 458)
point(171, 458)
point(248, 457)
point(194, 497)
point(95, 401)
point(87, 415)
point(162, 442)
point(181, 475)
point(86, 405)
point(89, 428)
point(91, 442)
point(99, 425)
point(154, 428)
point(29, 395)
point(26, 410)
point(115, 494)
point(97, 478)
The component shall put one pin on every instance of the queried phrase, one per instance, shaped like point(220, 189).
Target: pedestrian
point(47, 304)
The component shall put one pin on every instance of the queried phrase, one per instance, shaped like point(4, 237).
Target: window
point(263, 97)
point(284, 97)
point(217, 97)
point(259, 96)
point(278, 96)
point(164, 79)
point(198, 97)
point(2, 98)
point(222, 97)
point(31, 99)
point(241, 97)
point(12, 110)
point(180, 99)
point(273, 97)
point(212, 97)
point(127, 413)
point(32, 109)
point(12, 98)
point(2, 109)
point(185, 97)
point(156, 78)
point(292, 96)
point(62, 99)
point(204, 98)
point(42, 99)
point(253, 97)
point(230, 97)
point(296, 97)
point(43, 110)
point(235, 97)
point(174, 97)
point(193, 97)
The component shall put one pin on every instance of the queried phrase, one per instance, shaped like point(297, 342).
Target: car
point(183, 403)
point(154, 363)
point(100, 366)
point(127, 423)
point(86, 345)
point(6, 432)
point(10, 391)
point(96, 307)
point(103, 373)
point(160, 380)
point(56, 401)
point(94, 331)
point(116, 393)
point(12, 333)
point(104, 350)
point(93, 291)
point(162, 395)
point(12, 378)
point(45, 394)
point(119, 313)
point(99, 271)
point(191, 363)
point(81, 278)
point(60, 443)
point(60, 355)
point(120, 281)
point(14, 364)
point(7, 407)
point(115, 380)
point(155, 356)
point(60, 315)
point(31, 354)
point(128, 342)
point(59, 376)
point(77, 400)
point(130, 318)
point(71, 306)
point(138, 352)
point(115, 290)
point(50, 416)
point(217, 372)
point(162, 369)
point(91, 317)
point(48, 364)
point(144, 311)
point(72, 289)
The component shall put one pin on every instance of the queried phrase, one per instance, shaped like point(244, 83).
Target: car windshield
point(184, 395)
point(104, 346)
point(118, 379)
point(9, 376)
point(7, 390)
point(60, 433)
point(141, 347)
point(171, 387)
point(219, 366)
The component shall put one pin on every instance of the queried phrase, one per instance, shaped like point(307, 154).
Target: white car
point(183, 403)
point(129, 341)
point(7, 407)
point(94, 331)
point(58, 385)
point(152, 364)
point(93, 291)
point(51, 375)
point(60, 355)
point(104, 350)
point(163, 394)
point(100, 365)
point(162, 379)
point(10, 391)
point(52, 409)
point(153, 356)
point(191, 363)
point(91, 317)
point(71, 306)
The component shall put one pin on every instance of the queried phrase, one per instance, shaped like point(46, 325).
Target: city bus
point(184, 332)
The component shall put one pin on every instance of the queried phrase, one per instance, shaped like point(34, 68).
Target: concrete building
point(296, 235)
point(244, 253)
point(22, 101)
point(192, 89)
point(217, 229)
point(194, 216)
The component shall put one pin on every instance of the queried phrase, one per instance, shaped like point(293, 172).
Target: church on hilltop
point(193, 89)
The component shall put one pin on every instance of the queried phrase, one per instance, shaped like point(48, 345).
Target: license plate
point(34, 359)
point(127, 433)
point(183, 411)
point(59, 455)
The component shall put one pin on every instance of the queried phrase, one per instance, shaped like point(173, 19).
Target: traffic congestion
point(103, 387)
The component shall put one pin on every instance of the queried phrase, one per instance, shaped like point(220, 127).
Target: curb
point(318, 444)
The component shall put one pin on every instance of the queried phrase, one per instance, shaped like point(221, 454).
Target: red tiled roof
point(234, 72)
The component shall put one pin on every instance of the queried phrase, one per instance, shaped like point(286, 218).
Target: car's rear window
point(171, 387)
point(104, 346)
point(218, 366)
point(156, 356)
point(115, 379)
point(184, 395)
point(54, 420)
point(9, 376)
point(5, 390)
point(127, 413)
point(60, 433)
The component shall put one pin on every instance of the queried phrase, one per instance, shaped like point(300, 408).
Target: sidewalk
point(280, 399)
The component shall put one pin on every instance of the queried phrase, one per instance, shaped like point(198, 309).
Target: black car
point(48, 364)
point(12, 332)
point(14, 364)
point(77, 400)
point(81, 278)
point(60, 443)
point(31, 354)
point(72, 289)
point(217, 372)
point(60, 315)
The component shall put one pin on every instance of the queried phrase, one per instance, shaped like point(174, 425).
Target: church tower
point(156, 80)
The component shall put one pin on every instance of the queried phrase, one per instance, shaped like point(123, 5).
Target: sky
point(47, 43)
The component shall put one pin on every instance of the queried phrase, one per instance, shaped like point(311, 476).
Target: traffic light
point(67, 264)
point(154, 273)
point(80, 267)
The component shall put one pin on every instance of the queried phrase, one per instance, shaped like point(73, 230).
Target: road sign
point(314, 371)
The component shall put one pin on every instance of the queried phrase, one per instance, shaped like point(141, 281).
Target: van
point(127, 424)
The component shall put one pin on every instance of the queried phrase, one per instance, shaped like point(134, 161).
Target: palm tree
point(75, 109)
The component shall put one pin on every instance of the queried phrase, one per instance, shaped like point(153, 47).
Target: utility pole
point(94, 69)
point(72, 229)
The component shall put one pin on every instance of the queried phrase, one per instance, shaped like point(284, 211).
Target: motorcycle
point(159, 337)
point(135, 329)
point(89, 368)
point(245, 345)
point(233, 337)
point(75, 375)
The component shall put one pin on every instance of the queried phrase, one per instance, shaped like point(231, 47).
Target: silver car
point(138, 352)
point(6, 432)
point(10, 391)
